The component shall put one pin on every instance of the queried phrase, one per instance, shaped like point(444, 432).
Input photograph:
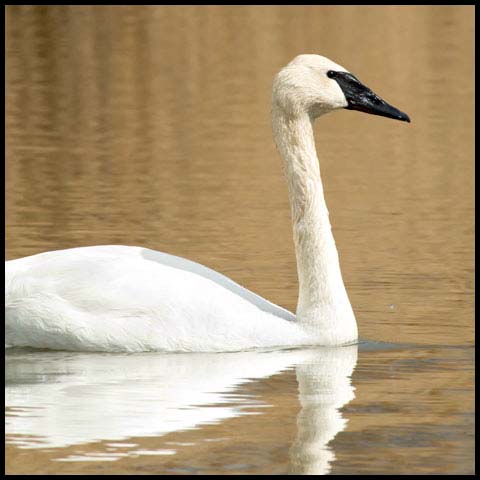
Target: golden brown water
point(150, 126)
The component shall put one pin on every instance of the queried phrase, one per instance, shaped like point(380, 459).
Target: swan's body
point(116, 298)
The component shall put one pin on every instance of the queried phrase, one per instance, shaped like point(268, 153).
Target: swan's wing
point(193, 267)
point(116, 298)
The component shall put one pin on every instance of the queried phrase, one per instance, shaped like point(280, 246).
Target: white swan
point(118, 298)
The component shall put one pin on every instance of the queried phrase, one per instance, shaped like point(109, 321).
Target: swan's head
point(316, 85)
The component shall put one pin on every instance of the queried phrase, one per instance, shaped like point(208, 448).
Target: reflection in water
point(60, 399)
point(324, 386)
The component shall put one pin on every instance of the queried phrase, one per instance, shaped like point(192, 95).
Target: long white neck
point(323, 304)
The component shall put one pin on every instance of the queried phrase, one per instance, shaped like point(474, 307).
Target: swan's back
point(222, 280)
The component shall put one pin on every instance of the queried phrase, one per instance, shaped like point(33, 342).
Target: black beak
point(360, 97)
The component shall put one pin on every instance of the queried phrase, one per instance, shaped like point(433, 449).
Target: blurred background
point(150, 126)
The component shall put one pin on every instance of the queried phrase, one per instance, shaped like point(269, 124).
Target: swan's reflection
point(58, 399)
point(324, 386)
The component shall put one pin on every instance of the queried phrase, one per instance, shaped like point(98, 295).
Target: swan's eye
point(330, 74)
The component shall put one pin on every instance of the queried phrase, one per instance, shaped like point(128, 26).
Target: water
point(150, 126)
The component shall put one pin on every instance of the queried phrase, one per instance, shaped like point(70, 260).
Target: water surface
point(150, 126)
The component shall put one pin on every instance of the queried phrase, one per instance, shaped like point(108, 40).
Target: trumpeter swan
point(119, 298)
